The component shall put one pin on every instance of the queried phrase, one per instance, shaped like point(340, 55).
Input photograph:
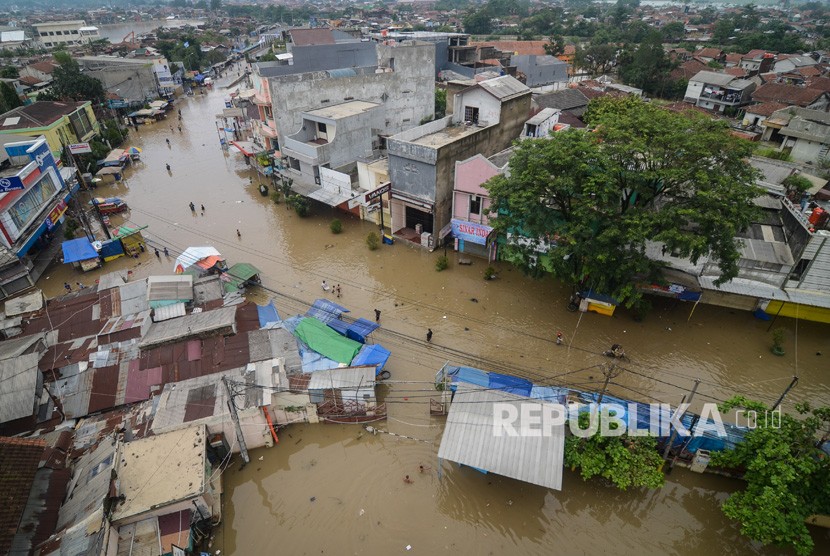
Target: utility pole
point(243, 449)
point(674, 432)
point(792, 384)
point(610, 371)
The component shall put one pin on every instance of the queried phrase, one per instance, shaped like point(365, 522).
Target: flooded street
point(506, 325)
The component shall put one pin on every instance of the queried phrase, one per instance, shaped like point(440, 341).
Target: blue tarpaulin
point(79, 249)
point(361, 328)
point(372, 354)
point(469, 375)
point(339, 325)
point(512, 384)
point(325, 310)
point(549, 394)
point(111, 248)
point(267, 314)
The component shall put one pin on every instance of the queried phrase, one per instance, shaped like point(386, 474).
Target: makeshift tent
point(512, 384)
point(357, 330)
point(325, 310)
point(76, 250)
point(195, 255)
point(372, 354)
point(111, 250)
point(131, 239)
point(267, 315)
point(326, 341)
point(238, 275)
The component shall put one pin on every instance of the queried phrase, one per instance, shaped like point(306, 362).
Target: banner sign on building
point(55, 215)
point(80, 148)
point(470, 231)
point(372, 195)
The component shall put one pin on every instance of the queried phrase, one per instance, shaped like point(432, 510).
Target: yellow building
point(62, 123)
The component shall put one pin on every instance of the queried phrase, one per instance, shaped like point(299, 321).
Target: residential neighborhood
point(301, 276)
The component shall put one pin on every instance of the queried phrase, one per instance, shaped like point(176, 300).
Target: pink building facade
point(470, 224)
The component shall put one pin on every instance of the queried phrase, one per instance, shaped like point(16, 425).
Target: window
point(80, 123)
point(471, 114)
point(51, 33)
point(74, 32)
point(475, 204)
point(321, 127)
point(30, 204)
point(530, 131)
point(59, 32)
point(47, 44)
point(44, 34)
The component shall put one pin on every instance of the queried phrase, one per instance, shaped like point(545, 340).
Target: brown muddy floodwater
point(361, 505)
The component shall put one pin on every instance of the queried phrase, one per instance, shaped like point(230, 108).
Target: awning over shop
point(330, 197)
point(237, 275)
point(472, 232)
point(79, 249)
point(109, 170)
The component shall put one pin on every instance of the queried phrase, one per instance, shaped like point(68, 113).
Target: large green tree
point(478, 22)
point(647, 67)
point(787, 475)
point(625, 461)
point(8, 98)
point(69, 83)
point(644, 174)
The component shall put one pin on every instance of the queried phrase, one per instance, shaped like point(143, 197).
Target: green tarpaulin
point(237, 275)
point(326, 341)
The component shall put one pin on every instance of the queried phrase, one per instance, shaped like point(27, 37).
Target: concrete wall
point(406, 94)
point(806, 151)
point(540, 70)
point(321, 57)
point(428, 173)
point(131, 82)
point(489, 107)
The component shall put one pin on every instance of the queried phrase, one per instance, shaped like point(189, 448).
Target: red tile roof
point(307, 37)
point(765, 108)
point(39, 114)
point(709, 52)
point(787, 94)
point(688, 69)
point(19, 460)
point(44, 67)
point(737, 72)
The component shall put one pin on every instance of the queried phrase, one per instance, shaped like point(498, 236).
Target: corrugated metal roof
point(207, 289)
point(90, 484)
point(178, 287)
point(346, 378)
point(189, 326)
point(540, 118)
point(24, 304)
point(168, 312)
point(133, 298)
point(16, 347)
point(470, 439)
point(18, 386)
point(504, 87)
point(713, 78)
point(743, 286)
point(112, 280)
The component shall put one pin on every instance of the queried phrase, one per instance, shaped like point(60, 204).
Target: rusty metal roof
point(19, 460)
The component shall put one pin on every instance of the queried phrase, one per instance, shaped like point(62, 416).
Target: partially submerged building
point(487, 117)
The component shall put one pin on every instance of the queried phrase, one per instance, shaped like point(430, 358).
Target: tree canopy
point(69, 83)
point(644, 174)
point(647, 67)
point(787, 475)
point(625, 461)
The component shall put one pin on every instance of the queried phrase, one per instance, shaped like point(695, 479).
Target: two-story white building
point(718, 91)
point(65, 33)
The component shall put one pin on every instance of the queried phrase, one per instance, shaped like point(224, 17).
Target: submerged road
point(361, 505)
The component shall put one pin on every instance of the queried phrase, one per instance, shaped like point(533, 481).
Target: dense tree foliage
point(787, 475)
point(69, 83)
point(625, 461)
point(645, 174)
point(647, 67)
point(8, 98)
point(478, 22)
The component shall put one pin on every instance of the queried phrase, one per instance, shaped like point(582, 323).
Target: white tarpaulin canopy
point(193, 255)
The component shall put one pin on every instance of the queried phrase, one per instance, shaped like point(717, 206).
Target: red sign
point(55, 215)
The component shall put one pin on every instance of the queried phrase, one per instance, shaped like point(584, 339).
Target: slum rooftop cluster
point(105, 390)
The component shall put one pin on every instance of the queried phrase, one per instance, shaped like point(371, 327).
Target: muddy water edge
point(331, 489)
